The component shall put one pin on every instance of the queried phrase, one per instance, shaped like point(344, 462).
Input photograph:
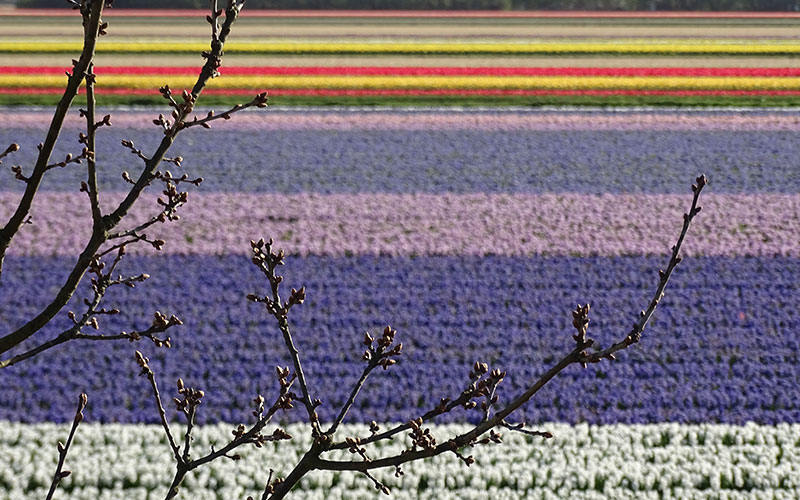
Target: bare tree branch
point(63, 449)
point(101, 282)
point(267, 261)
point(151, 377)
point(377, 354)
point(209, 71)
point(91, 132)
point(520, 427)
point(187, 404)
point(445, 405)
point(424, 444)
point(260, 100)
point(644, 316)
point(91, 19)
point(101, 231)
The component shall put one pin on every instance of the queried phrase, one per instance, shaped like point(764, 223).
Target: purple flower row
point(510, 119)
point(441, 160)
point(449, 224)
point(721, 348)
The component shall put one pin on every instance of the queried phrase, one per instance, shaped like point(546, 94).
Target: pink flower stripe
point(450, 224)
point(415, 71)
point(66, 12)
point(472, 120)
point(428, 92)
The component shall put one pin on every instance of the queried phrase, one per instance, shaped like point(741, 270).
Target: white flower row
point(664, 461)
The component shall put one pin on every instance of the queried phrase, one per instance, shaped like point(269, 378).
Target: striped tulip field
point(394, 58)
point(473, 232)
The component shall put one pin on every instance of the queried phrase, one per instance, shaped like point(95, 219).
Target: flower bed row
point(720, 349)
point(647, 46)
point(418, 71)
point(349, 119)
point(435, 224)
point(279, 82)
point(415, 96)
point(423, 159)
point(622, 462)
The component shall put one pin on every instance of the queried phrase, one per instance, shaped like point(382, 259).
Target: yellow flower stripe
point(524, 47)
point(424, 82)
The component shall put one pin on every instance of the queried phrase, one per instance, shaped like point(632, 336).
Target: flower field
point(470, 210)
point(621, 462)
point(485, 58)
point(473, 232)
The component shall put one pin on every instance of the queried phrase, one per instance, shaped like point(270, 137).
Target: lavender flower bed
point(476, 224)
point(507, 119)
point(721, 348)
point(440, 160)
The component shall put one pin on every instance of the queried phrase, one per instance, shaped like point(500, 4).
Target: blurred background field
point(427, 58)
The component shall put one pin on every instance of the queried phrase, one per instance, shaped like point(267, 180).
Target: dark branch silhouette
point(479, 395)
point(106, 227)
point(63, 448)
point(107, 246)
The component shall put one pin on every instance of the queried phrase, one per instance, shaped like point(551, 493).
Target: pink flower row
point(449, 224)
point(468, 120)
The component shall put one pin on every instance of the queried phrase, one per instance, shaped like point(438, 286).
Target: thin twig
point(461, 440)
point(213, 19)
point(520, 427)
point(64, 336)
point(91, 133)
point(188, 406)
point(63, 449)
point(167, 213)
point(444, 407)
point(187, 436)
point(351, 399)
point(143, 364)
point(379, 352)
point(260, 101)
point(644, 316)
point(138, 152)
point(100, 285)
point(375, 482)
point(267, 261)
point(267, 487)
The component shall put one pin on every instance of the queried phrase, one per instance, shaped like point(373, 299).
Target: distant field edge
point(467, 101)
point(419, 13)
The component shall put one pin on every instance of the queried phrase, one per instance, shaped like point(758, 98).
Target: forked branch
point(91, 12)
point(187, 403)
point(268, 261)
point(483, 385)
point(105, 227)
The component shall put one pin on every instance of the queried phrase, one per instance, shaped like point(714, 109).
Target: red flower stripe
point(416, 71)
point(429, 92)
